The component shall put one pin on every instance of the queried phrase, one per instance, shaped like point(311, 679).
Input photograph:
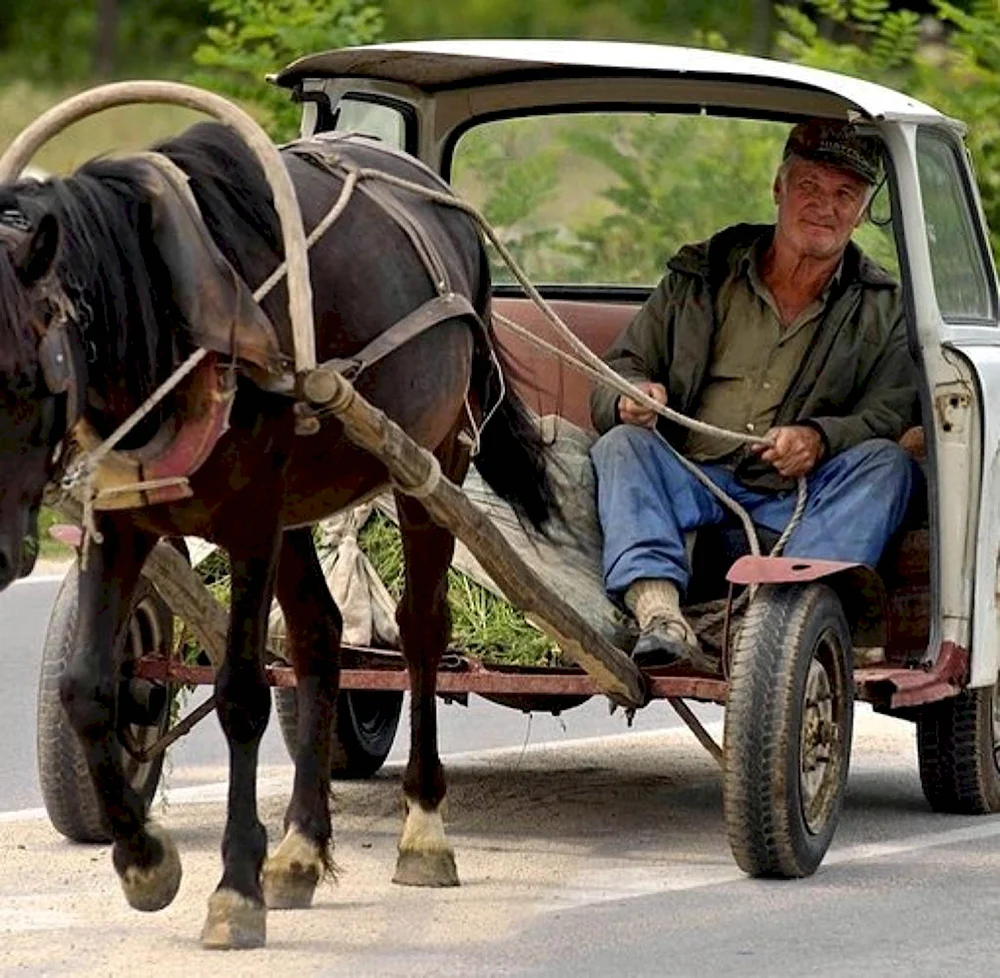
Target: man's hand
point(632, 412)
point(793, 450)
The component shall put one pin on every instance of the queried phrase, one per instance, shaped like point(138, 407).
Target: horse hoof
point(291, 874)
point(153, 887)
point(427, 867)
point(234, 922)
point(425, 856)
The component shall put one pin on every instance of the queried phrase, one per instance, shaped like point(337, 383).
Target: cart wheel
point(958, 741)
point(143, 709)
point(364, 727)
point(788, 726)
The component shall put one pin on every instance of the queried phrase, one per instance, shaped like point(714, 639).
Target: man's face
point(819, 206)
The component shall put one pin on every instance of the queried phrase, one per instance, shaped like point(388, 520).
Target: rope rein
point(82, 474)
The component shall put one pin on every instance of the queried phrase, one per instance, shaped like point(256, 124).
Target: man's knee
point(885, 463)
point(623, 442)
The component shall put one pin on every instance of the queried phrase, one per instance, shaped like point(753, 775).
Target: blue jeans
point(647, 501)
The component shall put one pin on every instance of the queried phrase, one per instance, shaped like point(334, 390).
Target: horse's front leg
point(312, 637)
point(236, 913)
point(144, 854)
point(425, 855)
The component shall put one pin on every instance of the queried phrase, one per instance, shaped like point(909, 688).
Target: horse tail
point(513, 456)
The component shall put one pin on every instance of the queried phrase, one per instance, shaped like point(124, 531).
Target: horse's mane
point(111, 270)
point(112, 274)
point(233, 194)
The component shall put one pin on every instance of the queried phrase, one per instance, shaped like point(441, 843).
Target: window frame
point(976, 224)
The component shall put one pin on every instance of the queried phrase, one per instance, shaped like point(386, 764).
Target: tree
point(255, 37)
point(106, 38)
point(950, 61)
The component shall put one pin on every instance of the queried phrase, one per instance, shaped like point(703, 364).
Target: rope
point(592, 364)
point(426, 488)
point(586, 361)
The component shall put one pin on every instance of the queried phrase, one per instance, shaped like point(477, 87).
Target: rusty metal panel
point(783, 570)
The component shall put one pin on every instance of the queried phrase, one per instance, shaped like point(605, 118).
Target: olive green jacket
point(857, 381)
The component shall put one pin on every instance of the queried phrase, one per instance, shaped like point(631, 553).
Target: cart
point(916, 637)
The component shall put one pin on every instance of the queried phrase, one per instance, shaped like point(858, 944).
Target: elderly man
point(786, 331)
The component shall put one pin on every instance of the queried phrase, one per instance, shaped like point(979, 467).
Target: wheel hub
point(819, 745)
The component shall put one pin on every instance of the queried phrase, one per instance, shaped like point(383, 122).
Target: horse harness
point(225, 320)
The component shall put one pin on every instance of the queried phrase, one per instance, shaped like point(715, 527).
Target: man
point(785, 331)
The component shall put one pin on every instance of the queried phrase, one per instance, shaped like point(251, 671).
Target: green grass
point(130, 127)
point(483, 625)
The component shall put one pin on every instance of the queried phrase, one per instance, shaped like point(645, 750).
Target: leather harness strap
point(325, 158)
point(432, 312)
point(446, 305)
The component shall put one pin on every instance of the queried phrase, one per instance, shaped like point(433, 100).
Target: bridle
point(58, 358)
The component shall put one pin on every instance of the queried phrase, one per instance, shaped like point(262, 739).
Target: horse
point(96, 312)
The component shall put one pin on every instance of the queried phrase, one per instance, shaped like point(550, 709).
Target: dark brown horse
point(86, 255)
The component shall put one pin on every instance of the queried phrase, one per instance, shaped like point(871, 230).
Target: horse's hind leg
point(312, 633)
point(144, 855)
point(425, 855)
point(236, 911)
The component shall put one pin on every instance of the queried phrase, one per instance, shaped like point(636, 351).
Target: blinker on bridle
point(54, 353)
point(16, 220)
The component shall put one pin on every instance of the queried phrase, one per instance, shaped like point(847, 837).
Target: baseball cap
point(838, 143)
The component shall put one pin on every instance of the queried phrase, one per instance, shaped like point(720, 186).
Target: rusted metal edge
point(474, 680)
point(896, 689)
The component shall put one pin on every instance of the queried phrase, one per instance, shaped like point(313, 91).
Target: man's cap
point(839, 144)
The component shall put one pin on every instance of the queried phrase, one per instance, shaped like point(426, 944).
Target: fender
point(858, 586)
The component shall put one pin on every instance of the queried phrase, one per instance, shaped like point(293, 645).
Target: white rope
point(586, 361)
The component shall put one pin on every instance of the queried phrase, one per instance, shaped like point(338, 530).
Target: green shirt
point(753, 361)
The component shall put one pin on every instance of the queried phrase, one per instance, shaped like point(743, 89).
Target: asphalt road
point(586, 855)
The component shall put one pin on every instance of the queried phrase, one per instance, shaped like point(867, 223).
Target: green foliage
point(54, 41)
point(482, 624)
point(719, 172)
point(745, 23)
point(255, 37)
point(609, 197)
point(872, 40)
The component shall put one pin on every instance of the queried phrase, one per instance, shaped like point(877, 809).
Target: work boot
point(665, 636)
point(665, 642)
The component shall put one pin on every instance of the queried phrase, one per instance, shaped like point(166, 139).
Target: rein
point(83, 472)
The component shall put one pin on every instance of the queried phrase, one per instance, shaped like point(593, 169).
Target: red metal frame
point(377, 670)
point(373, 669)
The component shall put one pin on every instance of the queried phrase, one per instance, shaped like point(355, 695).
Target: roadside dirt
point(534, 833)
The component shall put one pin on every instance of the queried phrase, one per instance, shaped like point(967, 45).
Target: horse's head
point(32, 419)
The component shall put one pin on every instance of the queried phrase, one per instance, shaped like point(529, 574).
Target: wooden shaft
point(413, 469)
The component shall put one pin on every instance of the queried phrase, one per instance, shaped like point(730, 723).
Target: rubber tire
point(363, 729)
point(67, 791)
point(957, 752)
point(762, 788)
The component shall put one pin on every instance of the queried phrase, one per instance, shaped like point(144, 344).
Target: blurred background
point(579, 199)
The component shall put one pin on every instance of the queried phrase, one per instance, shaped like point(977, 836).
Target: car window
point(962, 280)
point(608, 197)
point(377, 119)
